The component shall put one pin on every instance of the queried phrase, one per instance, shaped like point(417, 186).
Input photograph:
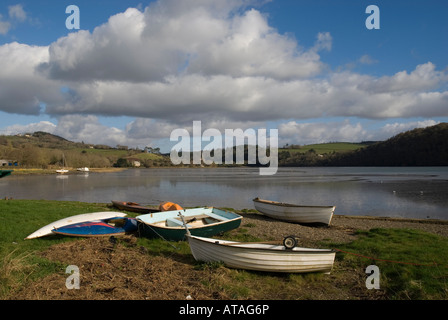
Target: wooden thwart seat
point(172, 222)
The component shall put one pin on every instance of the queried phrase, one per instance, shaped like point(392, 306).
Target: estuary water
point(411, 192)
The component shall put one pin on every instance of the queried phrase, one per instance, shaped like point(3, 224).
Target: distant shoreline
point(28, 171)
point(31, 171)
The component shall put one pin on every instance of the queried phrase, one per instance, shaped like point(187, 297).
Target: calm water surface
point(420, 192)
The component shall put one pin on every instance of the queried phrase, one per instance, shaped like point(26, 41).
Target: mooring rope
point(169, 242)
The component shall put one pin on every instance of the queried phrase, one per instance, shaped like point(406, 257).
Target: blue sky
point(311, 69)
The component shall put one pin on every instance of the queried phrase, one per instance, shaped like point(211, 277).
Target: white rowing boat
point(261, 256)
point(295, 213)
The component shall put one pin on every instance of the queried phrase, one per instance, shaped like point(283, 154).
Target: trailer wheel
point(290, 242)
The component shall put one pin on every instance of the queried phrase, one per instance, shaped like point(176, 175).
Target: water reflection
point(402, 192)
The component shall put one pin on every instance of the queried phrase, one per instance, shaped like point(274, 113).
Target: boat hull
point(105, 227)
point(157, 226)
point(4, 173)
point(133, 207)
point(295, 213)
point(47, 230)
point(262, 257)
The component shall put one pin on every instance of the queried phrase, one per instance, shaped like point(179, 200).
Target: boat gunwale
point(157, 225)
point(133, 207)
point(288, 205)
point(90, 235)
point(235, 244)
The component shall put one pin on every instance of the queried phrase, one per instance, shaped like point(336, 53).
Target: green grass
point(149, 156)
point(322, 148)
point(413, 264)
point(163, 247)
point(19, 218)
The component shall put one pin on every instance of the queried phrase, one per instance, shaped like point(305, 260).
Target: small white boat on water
point(295, 213)
point(63, 170)
point(84, 169)
point(262, 256)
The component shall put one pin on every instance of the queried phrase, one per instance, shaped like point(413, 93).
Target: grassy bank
point(20, 261)
point(413, 264)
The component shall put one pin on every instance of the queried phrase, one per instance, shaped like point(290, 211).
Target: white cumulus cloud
point(220, 62)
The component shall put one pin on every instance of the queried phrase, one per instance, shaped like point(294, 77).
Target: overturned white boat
point(295, 213)
point(84, 217)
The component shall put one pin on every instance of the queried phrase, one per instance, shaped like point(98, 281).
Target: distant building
point(8, 163)
point(134, 162)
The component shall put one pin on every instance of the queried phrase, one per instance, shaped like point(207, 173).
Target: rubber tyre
point(289, 242)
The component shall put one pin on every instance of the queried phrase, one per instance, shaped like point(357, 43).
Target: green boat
point(202, 222)
point(4, 173)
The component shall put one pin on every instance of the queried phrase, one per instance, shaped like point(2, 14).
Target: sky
point(135, 71)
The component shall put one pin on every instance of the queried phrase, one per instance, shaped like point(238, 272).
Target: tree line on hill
point(46, 150)
point(419, 147)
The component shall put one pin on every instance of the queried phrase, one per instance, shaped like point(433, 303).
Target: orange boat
point(169, 206)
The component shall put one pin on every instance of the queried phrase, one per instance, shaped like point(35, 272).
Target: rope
point(434, 264)
point(160, 237)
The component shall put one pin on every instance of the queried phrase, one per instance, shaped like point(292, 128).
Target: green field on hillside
point(322, 148)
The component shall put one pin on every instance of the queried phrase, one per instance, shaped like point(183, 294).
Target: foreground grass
point(413, 264)
point(19, 262)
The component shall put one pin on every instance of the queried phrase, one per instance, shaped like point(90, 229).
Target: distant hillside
point(46, 150)
point(315, 154)
point(419, 147)
point(322, 148)
point(48, 137)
